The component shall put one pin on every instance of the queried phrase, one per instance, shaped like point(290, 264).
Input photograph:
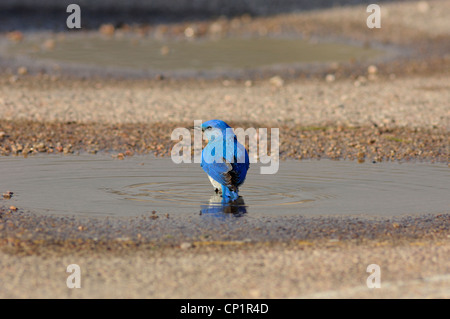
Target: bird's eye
point(209, 127)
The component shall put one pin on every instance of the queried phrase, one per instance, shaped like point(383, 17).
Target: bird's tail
point(229, 195)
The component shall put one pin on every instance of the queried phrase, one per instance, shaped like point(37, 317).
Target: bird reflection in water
point(217, 207)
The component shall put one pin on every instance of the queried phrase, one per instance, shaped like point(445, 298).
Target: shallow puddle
point(95, 185)
point(151, 54)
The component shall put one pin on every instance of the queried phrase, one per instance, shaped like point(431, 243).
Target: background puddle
point(221, 54)
point(99, 185)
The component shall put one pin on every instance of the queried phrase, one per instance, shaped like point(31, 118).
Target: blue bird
point(224, 159)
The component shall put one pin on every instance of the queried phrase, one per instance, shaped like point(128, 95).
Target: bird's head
point(212, 127)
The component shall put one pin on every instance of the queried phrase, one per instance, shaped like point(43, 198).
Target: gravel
point(413, 102)
point(190, 257)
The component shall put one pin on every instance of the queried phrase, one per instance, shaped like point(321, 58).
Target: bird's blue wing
point(216, 166)
point(242, 162)
point(232, 171)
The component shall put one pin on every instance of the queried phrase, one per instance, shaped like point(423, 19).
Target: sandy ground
point(416, 102)
point(413, 257)
point(296, 257)
point(417, 270)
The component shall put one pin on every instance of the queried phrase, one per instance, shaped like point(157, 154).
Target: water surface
point(96, 185)
point(156, 55)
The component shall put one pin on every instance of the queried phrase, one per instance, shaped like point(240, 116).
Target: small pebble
point(189, 32)
point(7, 195)
point(277, 81)
point(330, 78)
point(372, 69)
point(48, 44)
point(22, 70)
point(107, 29)
point(185, 245)
point(15, 36)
